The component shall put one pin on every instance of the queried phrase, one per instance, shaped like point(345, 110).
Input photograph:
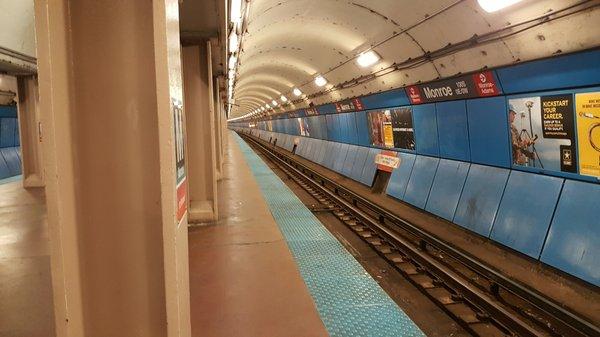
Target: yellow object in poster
point(588, 132)
point(388, 134)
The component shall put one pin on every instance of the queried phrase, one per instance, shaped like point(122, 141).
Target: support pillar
point(218, 127)
point(110, 93)
point(30, 131)
point(197, 76)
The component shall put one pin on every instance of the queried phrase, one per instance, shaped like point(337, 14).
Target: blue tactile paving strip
point(349, 301)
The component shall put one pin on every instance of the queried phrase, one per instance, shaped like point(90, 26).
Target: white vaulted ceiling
point(286, 43)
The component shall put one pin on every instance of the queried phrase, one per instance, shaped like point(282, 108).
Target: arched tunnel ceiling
point(287, 42)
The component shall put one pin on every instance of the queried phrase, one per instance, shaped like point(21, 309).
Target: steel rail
point(567, 317)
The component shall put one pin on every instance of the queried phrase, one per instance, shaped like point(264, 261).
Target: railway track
point(479, 298)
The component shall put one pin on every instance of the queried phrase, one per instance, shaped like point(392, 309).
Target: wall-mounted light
point(491, 6)
point(236, 11)
point(368, 58)
point(297, 92)
point(320, 81)
point(283, 98)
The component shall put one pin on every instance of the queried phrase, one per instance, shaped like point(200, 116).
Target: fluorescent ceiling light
point(233, 42)
point(297, 92)
point(320, 81)
point(283, 98)
point(268, 106)
point(491, 6)
point(232, 62)
point(368, 58)
point(262, 108)
point(236, 11)
point(274, 102)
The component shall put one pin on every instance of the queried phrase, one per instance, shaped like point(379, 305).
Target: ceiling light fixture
point(320, 81)
point(283, 98)
point(233, 42)
point(297, 92)
point(491, 6)
point(236, 11)
point(368, 58)
point(232, 62)
point(274, 102)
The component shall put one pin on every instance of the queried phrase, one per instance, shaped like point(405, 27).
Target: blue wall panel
point(480, 198)
point(8, 111)
point(7, 132)
point(327, 109)
point(526, 211)
point(330, 157)
point(420, 181)
point(339, 128)
point(447, 188)
point(4, 170)
point(349, 161)
point(12, 160)
point(324, 146)
point(453, 133)
point(426, 133)
point(488, 131)
point(400, 176)
point(330, 127)
point(387, 99)
point(567, 71)
point(362, 128)
point(340, 158)
point(323, 123)
point(345, 132)
point(352, 131)
point(359, 162)
point(572, 243)
point(370, 168)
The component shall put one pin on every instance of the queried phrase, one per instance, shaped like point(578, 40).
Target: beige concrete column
point(30, 131)
point(218, 127)
point(110, 87)
point(197, 78)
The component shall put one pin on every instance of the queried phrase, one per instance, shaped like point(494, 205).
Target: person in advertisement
point(520, 147)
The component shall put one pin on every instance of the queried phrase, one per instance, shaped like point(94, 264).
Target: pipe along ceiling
point(278, 48)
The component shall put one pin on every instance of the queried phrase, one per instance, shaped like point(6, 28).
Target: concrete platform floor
point(26, 307)
point(243, 278)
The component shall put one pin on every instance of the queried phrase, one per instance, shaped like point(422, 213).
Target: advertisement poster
point(303, 127)
point(588, 132)
point(181, 183)
point(392, 128)
point(542, 131)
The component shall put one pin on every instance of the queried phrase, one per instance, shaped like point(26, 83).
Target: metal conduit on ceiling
point(285, 44)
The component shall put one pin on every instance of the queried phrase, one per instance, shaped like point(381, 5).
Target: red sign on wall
point(485, 84)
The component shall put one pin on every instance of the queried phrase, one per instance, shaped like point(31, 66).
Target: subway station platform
point(270, 268)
